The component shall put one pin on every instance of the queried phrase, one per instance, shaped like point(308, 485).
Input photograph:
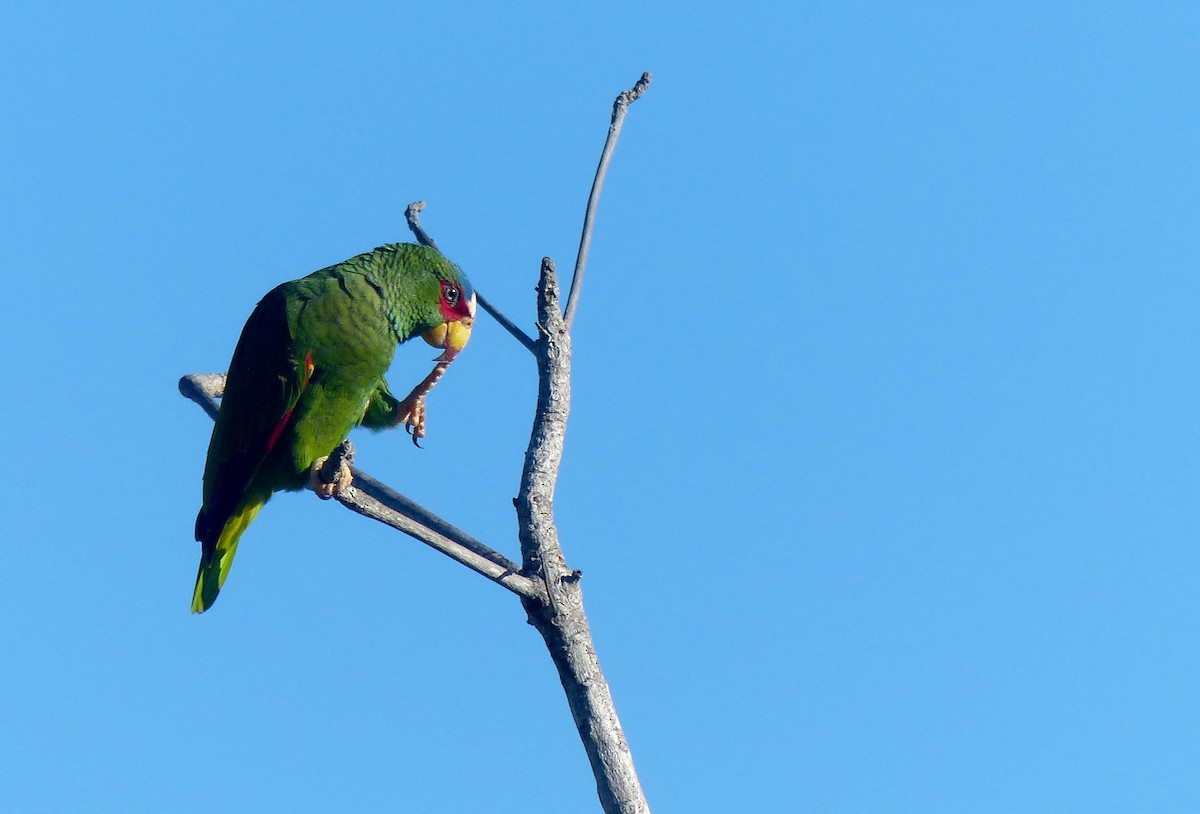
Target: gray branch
point(413, 217)
point(505, 323)
point(560, 616)
point(370, 498)
point(620, 106)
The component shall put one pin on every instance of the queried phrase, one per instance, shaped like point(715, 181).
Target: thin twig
point(412, 214)
point(506, 323)
point(371, 498)
point(620, 106)
point(413, 217)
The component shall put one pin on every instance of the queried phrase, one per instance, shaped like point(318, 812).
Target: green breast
point(338, 318)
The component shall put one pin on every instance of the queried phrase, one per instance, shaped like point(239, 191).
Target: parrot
point(308, 367)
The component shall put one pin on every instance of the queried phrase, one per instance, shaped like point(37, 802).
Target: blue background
point(882, 469)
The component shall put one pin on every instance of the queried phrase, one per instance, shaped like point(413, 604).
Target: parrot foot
point(331, 474)
point(411, 411)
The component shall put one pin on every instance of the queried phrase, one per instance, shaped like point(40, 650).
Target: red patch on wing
point(277, 430)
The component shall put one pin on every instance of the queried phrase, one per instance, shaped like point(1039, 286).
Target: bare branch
point(561, 619)
point(544, 454)
point(506, 323)
point(413, 217)
point(370, 498)
point(204, 389)
point(620, 106)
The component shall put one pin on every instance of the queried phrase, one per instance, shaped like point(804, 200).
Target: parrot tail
point(216, 562)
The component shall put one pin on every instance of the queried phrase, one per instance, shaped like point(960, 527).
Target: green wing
point(264, 384)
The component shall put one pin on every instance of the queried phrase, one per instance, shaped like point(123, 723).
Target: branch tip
point(627, 97)
point(413, 218)
point(620, 106)
point(549, 317)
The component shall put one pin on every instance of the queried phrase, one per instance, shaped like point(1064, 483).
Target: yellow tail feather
point(214, 569)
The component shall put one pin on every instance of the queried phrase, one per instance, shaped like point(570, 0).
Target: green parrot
point(308, 367)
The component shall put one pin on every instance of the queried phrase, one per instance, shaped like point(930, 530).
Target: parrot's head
point(457, 308)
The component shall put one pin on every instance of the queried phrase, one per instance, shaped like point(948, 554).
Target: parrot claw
point(411, 411)
point(414, 420)
point(331, 474)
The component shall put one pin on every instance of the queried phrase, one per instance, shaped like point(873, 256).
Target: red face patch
point(454, 305)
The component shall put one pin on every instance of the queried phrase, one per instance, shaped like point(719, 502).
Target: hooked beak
point(452, 336)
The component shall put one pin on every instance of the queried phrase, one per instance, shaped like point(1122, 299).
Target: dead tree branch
point(412, 215)
point(620, 106)
point(560, 617)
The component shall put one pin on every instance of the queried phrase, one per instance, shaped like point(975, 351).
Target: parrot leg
point(331, 474)
point(411, 410)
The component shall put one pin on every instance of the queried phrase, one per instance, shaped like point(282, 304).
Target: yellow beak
point(451, 336)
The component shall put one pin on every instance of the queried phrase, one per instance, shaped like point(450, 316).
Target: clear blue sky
point(882, 470)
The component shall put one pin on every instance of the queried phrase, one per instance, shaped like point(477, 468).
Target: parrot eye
point(450, 293)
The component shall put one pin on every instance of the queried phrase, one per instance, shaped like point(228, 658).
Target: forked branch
point(560, 618)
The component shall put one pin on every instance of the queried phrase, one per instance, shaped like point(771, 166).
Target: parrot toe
point(331, 474)
point(411, 411)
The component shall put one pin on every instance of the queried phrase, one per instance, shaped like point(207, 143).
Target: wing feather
point(264, 384)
